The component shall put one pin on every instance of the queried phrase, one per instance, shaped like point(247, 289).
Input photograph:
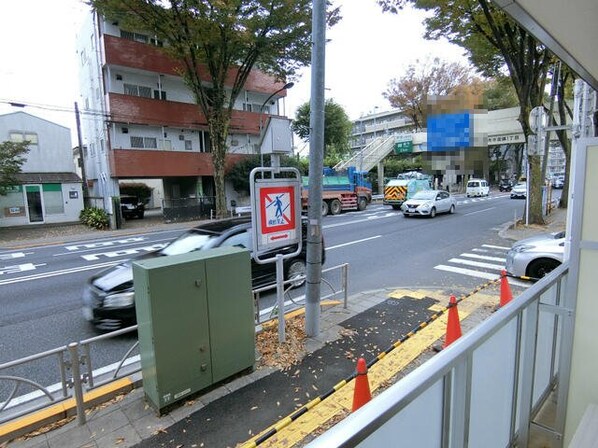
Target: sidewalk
point(236, 412)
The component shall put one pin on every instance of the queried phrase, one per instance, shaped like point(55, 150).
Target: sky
point(365, 51)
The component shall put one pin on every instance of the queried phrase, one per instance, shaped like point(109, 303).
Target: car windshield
point(473, 184)
point(188, 242)
point(425, 195)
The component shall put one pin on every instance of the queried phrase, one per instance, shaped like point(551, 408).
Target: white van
point(477, 187)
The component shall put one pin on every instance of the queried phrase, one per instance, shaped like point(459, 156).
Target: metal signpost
point(276, 222)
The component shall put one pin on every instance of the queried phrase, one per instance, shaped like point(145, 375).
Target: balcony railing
point(484, 390)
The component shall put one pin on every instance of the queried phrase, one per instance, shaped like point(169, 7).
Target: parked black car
point(505, 185)
point(131, 207)
point(109, 296)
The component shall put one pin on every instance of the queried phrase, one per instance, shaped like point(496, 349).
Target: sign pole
point(280, 297)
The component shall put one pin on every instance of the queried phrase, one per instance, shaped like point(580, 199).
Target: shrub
point(95, 217)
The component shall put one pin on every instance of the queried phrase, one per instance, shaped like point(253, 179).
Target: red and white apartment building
point(140, 121)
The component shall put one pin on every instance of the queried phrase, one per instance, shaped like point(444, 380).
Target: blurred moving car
point(109, 296)
point(505, 185)
point(477, 187)
point(536, 256)
point(131, 207)
point(519, 191)
point(429, 203)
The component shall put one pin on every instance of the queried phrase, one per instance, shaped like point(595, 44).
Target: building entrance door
point(34, 203)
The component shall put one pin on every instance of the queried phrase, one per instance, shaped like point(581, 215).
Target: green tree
point(12, 157)
point(218, 44)
point(496, 44)
point(499, 94)
point(337, 128)
point(238, 174)
point(410, 92)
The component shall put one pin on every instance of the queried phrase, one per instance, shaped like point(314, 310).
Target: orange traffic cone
point(453, 326)
point(505, 289)
point(362, 394)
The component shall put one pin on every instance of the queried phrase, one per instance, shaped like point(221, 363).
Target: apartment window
point(135, 90)
point(204, 142)
point(134, 36)
point(144, 142)
point(19, 137)
point(254, 107)
point(159, 95)
point(53, 200)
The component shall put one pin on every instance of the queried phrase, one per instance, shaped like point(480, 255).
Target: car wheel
point(362, 203)
point(433, 212)
point(324, 210)
point(539, 268)
point(452, 209)
point(140, 215)
point(396, 207)
point(296, 269)
point(335, 207)
point(406, 215)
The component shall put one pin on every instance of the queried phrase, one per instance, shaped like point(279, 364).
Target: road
point(40, 287)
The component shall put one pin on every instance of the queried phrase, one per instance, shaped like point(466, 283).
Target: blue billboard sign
point(450, 132)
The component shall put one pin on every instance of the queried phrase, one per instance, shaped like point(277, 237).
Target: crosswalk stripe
point(479, 274)
point(479, 264)
point(483, 257)
point(491, 246)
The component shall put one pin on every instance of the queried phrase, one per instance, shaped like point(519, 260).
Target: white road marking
point(354, 242)
point(478, 264)
point(479, 274)
point(491, 246)
point(57, 273)
point(13, 255)
point(387, 215)
point(479, 211)
point(122, 252)
point(19, 268)
point(483, 257)
point(101, 244)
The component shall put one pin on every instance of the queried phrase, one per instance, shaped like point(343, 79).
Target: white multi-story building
point(140, 120)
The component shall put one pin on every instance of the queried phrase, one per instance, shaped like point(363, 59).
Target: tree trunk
point(535, 193)
point(218, 126)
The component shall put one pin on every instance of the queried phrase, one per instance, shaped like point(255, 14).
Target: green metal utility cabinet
point(196, 321)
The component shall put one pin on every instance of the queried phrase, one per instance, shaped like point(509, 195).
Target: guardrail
point(485, 389)
point(74, 362)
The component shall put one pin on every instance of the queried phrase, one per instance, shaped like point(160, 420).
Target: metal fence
point(484, 390)
point(188, 209)
point(74, 364)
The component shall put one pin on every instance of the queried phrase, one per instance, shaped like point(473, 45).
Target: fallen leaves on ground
point(287, 354)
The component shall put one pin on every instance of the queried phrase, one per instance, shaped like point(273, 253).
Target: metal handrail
point(448, 379)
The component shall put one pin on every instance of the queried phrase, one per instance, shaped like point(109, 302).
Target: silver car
point(429, 203)
point(536, 256)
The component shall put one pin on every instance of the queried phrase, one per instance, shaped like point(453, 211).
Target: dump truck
point(347, 190)
point(398, 190)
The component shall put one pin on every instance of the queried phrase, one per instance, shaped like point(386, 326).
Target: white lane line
point(479, 211)
point(486, 251)
point(56, 273)
point(13, 255)
point(484, 257)
point(387, 215)
point(20, 268)
point(353, 242)
point(479, 274)
point(477, 264)
point(491, 246)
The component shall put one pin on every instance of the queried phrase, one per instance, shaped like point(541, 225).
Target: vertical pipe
point(316, 164)
point(280, 297)
point(345, 276)
point(77, 387)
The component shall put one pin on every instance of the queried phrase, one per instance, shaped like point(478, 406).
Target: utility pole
point(81, 159)
point(316, 165)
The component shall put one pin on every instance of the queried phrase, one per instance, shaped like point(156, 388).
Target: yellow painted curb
point(340, 403)
point(60, 410)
